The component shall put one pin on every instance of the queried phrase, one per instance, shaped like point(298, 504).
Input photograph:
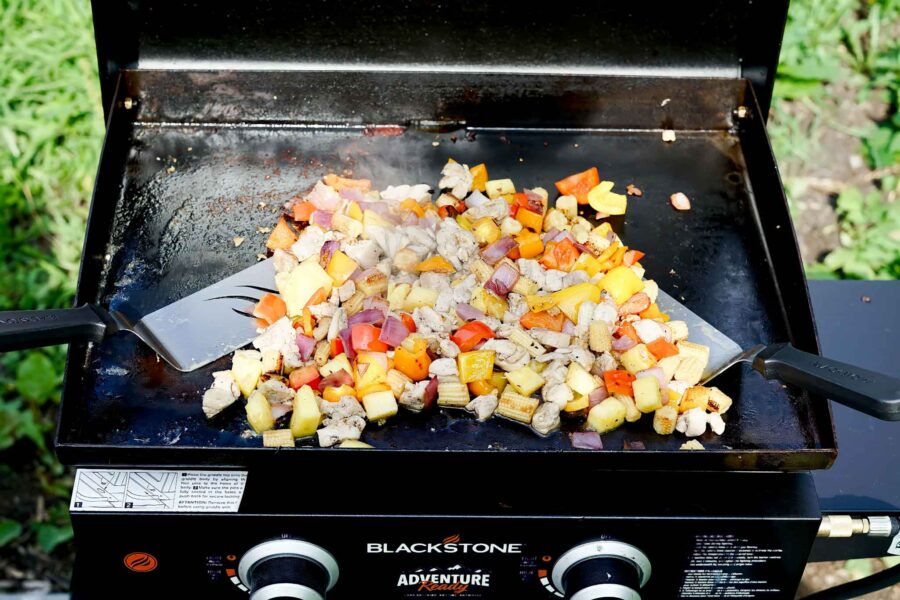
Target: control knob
point(601, 570)
point(286, 569)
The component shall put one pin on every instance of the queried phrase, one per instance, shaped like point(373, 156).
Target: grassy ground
point(834, 126)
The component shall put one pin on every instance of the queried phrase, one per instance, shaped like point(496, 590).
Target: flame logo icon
point(452, 539)
point(140, 562)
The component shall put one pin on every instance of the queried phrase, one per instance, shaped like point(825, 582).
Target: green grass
point(50, 134)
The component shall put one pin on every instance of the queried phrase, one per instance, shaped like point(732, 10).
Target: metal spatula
point(187, 334)
point(866, 391)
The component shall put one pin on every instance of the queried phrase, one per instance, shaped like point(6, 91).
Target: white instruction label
point(157, 491)
point(894, 548)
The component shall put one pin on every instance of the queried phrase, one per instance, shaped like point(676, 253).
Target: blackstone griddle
point(214, 111)
point(219, 112)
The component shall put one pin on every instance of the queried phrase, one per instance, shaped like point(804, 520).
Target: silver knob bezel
point(606, 590)
point(600, 549)
point(286, 590)
point(288, 548)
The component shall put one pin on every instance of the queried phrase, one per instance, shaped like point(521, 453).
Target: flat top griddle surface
point(172, 235)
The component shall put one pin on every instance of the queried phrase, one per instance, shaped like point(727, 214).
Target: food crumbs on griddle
point(666, 101)
point(262, 204)
point(453, 138)
point(668, 135)
point(435, 144)
point(238, 240)
point(170, 169)
point(680, 201)
point(471, 136)
point(261, 257)
point(633, 190)
point(263, 229)
point(865, 299)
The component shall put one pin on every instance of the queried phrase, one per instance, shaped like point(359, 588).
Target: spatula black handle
point(860, 389)
point(21, 329)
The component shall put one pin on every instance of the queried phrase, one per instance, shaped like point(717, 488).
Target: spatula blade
point(211, 323)
point(723, 351)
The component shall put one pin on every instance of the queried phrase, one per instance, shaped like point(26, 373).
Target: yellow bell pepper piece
point(436, 264)
point(412, 206)
point(580, 403)
point(333, 394)
point(485, 231)
point(530, 244)
point(587, 263)
point(479, 177)
point(476, 365)
point(354, 211)
point(654, 313)
point(603, 200)
point(538, 303)
point(463, 222)
point(498, 380)
point(622, 283)
point(340, 267)
point(488, 303)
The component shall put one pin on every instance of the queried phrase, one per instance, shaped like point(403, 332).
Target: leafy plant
point(9, 531)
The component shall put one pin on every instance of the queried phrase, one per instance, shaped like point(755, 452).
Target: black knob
point(601, 570)
point(288, 569)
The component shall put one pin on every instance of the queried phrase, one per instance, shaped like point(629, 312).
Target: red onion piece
point(535, 201)
point(336, 379)
point(548, 236)
point(502, 279)
point(376, 302)
point(568, 327)
point(345, 342)
point(584, 248)
point(467, 312)
point(358, 275)
point(493, 253)
point(586, 440)
point(623, 343)
point(328, 248)
point(598, 395)
point(430, 396)
point(633, 445)
point(306, 344)
point(410, 218)
point(393, 332)
point(352, 194)
point(660, 376)
point(372, 316)
point(562, 235)
point(321, 218)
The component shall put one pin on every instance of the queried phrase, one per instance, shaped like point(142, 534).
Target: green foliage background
point(50, 136)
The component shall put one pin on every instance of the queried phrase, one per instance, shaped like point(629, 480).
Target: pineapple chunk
point(499, 187)
point(374, 284)
point(578, 404)
point(719, 402)
point(452, 392)
point(679, 330)
point(664, 420)
point(476, 365)
point(607, 415)
point(485, 231)
point(569, 299)
point(397, 381)
point(278, 438)
point(516, 406)
point(669, 365)
point(647, 396)
point(580, 380)
point(247, 367)
point(300, 284)
point(419, 296)
point(370, 218)
point(599, 337)
point(524, 380)
point(397, 294)
point(568, 205)
point(698, 351)
point(354, 444)
point(525, 286)
point(259, 412)
point(380, 405)
point(374, 374)
point(622, 283)
point(695, 397)
point(637, 359)
point(338, 363)
point(306, 416)
point(271, 361)
point(632, 414)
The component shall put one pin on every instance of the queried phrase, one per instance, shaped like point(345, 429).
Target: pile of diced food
point(477, 297)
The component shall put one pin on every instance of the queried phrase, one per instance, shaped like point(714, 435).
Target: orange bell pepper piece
point(579, 184)
point(660, 348)
point(530, 244)
point(482, 387)
point(479, 177)
point(543, 320)
point(270, 308)
point(365, 337)
point(530, 219)
point(340, 183)
point(282, 237)
point(627, 329)
point(302, 211)
point(618, 382)
point(414, 364)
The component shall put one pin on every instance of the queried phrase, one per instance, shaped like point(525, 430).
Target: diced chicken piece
point(574, 278)
point(509, 226)
point(457, 178)
point(648, 330)
point(399, 193)
point(434, 281)
point(324, 197)
point(497, 209)
point(606, 312)
point(554, 339)
point(323, 309)
point(483, 406)
point(517, 305)
point(276, 392)
point(557, 393)
point(413, 396)
point(604, 362)
point(694, 422)
point(222, 394)
point(283, 261)
point(346, 290)
point(554, 280)
point(509, 355)
point(455, 244)
point(428, 320)
point(716, 423)
point(339, 431)
point(346, 407)
point(531, 269)
point(443, 367)
point(278, 336)
point(366, 253)
point(389, 239)
point(546, 418)
point(309, 243)
point(462, 291)
point(555, 372)
point(406, 260)
point(582, 356)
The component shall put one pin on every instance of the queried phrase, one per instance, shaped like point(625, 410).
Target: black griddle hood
point(211, 117)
